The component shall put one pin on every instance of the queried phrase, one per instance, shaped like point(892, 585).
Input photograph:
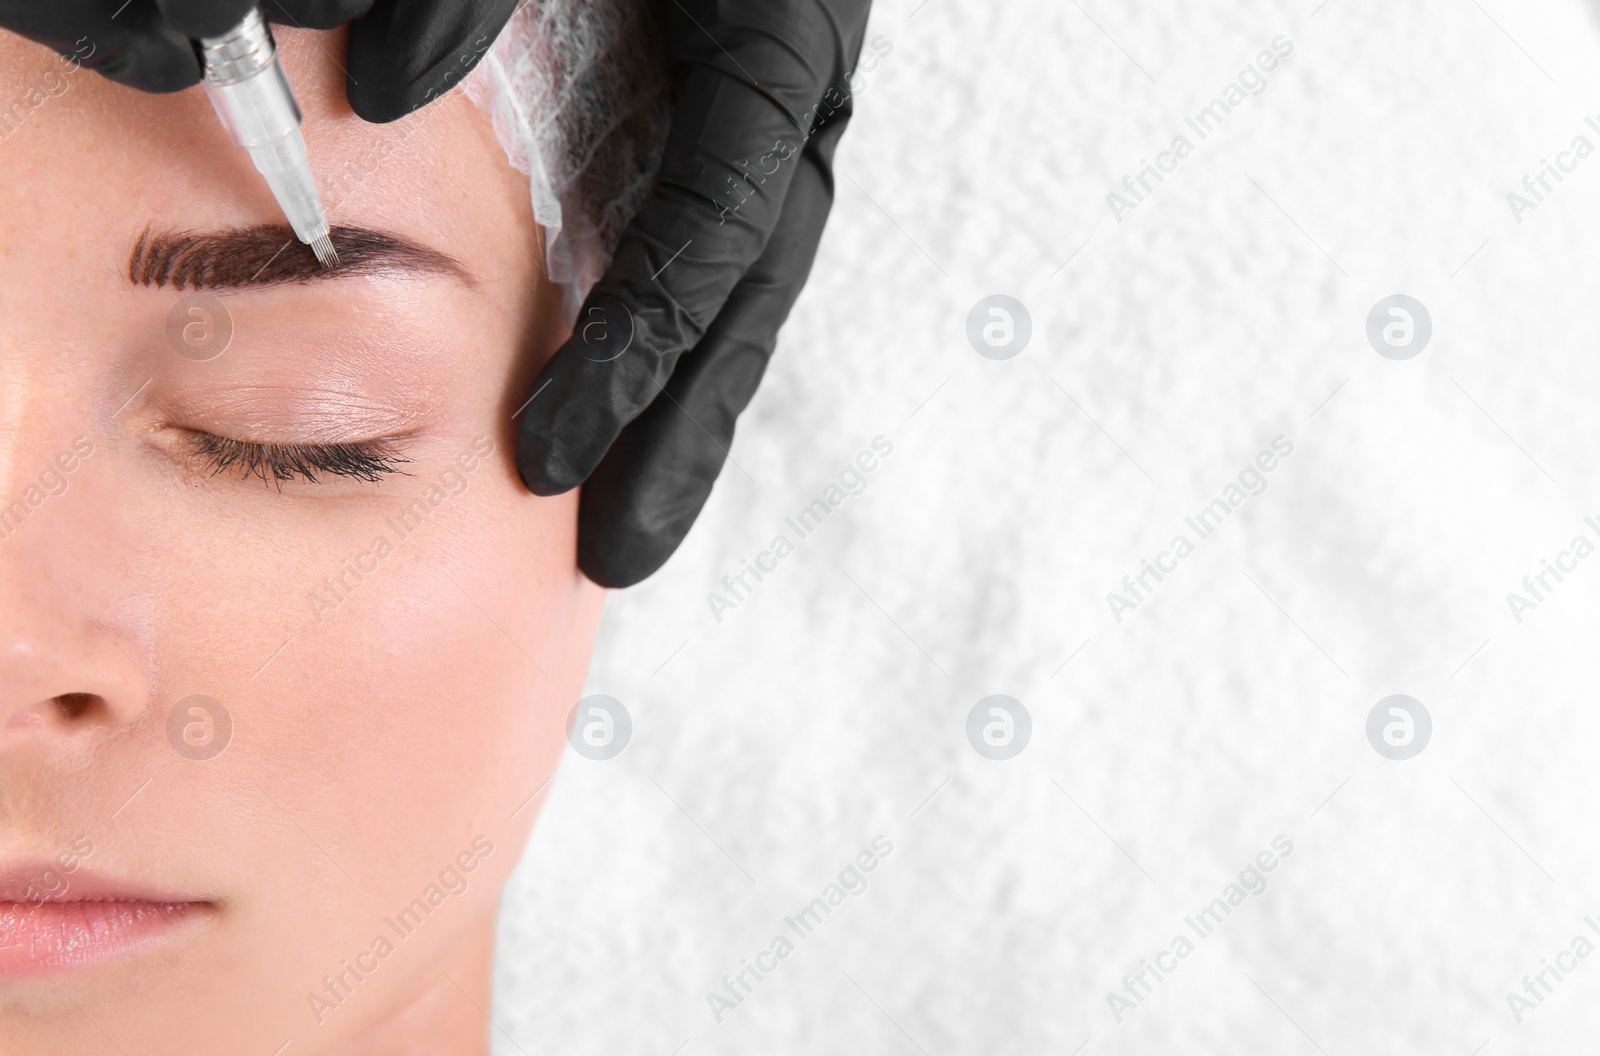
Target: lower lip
point(41, 937)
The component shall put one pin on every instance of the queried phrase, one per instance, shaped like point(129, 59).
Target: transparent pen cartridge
point(245, 83)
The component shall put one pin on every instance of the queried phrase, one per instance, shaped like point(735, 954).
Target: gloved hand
point(402, 53)
point(671, 343)
point(673, 340)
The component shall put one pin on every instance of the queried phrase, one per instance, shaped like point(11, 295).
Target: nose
point(67, 658)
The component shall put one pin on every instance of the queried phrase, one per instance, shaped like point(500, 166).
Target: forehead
point(92, 163)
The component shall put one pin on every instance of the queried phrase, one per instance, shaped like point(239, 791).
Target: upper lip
point(45, 880)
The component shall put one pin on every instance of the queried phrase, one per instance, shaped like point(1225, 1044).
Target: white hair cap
point(578, 93)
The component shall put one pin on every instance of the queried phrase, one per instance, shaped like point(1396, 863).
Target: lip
point(53, 921)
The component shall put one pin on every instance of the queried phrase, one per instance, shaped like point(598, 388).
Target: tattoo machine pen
point(246, 85)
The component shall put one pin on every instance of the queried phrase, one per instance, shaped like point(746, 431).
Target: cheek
point(420, 712)
point(427, 680)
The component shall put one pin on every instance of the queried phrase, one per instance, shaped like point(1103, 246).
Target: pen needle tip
point(322, 246)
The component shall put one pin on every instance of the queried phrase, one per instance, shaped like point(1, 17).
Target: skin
point(374, 739)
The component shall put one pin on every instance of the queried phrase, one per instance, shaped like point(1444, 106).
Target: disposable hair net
point(578, 93)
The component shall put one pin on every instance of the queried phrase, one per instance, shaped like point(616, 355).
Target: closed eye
point(368, 460)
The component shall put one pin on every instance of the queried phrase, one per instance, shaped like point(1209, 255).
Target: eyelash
point(276, 463)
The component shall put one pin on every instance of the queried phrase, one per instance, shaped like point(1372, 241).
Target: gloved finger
point(314, 14)
point(647, 491)
point(755, 82)
point(795, 51)
point(213, 18)
point(126, 42)
point(706, 221)
point(405, 53)
point(203, 18)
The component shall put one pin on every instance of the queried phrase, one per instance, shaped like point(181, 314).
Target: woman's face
point(267, 743)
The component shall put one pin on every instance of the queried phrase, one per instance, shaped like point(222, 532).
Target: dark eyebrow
point(270, 255)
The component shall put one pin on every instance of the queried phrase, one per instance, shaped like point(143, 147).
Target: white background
point(770, 748)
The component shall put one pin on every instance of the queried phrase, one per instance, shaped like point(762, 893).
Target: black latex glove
point(673, 340)
point(402, 53)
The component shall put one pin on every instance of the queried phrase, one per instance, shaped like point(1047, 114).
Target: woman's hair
point(579, 96)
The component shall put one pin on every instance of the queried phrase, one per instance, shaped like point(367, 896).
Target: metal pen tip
point(322, 246)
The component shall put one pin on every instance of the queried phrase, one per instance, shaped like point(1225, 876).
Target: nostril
point(72, 705)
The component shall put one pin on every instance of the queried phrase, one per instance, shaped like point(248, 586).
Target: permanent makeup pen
point(245, 83)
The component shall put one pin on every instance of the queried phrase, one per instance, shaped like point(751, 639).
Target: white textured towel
point(1171, 343)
